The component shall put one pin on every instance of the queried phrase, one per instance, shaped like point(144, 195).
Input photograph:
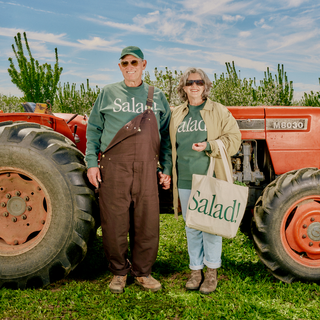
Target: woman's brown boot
point(194, 280)
point(210, 281)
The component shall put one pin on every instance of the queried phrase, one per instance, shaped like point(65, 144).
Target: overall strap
point(150, 97)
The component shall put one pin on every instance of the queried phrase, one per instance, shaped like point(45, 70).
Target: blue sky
point(176, 34)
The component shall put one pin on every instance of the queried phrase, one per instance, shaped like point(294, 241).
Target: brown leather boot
point(210, 281)
point(117, 284)
point(194, 281)
point(148, 283)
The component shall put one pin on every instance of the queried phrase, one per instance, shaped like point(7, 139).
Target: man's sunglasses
point(197, 82)
point(134, 63)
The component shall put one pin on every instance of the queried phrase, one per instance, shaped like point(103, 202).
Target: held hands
point(200, 146)
point(164, 180)
point(94, 176)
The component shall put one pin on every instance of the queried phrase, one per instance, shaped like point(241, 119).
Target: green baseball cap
point(135, 51)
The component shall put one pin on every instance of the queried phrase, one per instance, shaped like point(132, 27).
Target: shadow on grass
point(172, 261)
point(255, 271)
point(94, 265)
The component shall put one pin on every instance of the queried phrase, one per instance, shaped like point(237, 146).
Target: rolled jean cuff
point(211, 265)
point(196, 267)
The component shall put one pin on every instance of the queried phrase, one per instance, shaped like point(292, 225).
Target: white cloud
point(122, 26)
point(23, 6)
point(245, 34)
point(229, 18)
point(259, 23)
point(207, 57)
point(167, 24)
point(292, 39)
point(102, 78)
point(295, 3)
point(267, 27)
point(151, 17)
point(11, 91)
point(215, 8)
point(222, 58)
point(95, 43)
point(307, 87)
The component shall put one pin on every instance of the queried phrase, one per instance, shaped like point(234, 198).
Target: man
point(132, 138)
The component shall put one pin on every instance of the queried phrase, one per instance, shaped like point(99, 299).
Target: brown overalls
point(128, 196)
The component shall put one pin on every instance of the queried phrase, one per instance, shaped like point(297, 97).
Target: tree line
point(40, 83)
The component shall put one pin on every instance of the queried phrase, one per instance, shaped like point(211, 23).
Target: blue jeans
point(203, 248)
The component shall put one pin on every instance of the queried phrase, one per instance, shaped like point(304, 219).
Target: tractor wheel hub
point(314, 231)
point(16, 206)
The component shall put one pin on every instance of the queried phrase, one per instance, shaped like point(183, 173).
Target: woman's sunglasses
point(134, 63)
point(197, 82)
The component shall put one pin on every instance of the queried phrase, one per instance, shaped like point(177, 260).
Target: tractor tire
point(46, 205)
point(286, 226)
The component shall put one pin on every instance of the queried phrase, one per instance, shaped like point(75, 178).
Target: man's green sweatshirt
point(115, 106)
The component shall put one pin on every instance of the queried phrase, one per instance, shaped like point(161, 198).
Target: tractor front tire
point(46, 205)
point(286, 226)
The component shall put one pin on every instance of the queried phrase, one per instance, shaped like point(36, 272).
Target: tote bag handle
point(223, 153)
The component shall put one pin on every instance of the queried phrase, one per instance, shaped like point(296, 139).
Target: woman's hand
point(164, 180)
point(200, 146)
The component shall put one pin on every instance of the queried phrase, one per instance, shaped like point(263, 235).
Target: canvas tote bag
point(216, 206)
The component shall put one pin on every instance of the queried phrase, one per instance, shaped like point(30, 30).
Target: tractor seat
point(29, 106)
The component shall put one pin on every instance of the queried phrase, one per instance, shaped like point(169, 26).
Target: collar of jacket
point(208, 106)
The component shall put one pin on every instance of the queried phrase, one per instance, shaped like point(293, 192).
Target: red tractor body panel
point(291, 134)
point(58, 122)
point(247, 115)
point(81, 123)
point(294, 148)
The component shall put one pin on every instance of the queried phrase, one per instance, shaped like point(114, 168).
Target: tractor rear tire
point(46, 211)
point(286, 226)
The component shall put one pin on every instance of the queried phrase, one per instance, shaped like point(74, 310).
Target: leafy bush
point(230, 90)
point(70, 100)
point(311, 99)
point(167, 81)
point(10, 103)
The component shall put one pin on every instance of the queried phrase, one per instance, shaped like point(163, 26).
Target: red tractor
point(48, 208)
point(279, 161)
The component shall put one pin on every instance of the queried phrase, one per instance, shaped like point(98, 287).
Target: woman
point(194, 127)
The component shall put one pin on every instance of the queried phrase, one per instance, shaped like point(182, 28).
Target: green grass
point(245, 290)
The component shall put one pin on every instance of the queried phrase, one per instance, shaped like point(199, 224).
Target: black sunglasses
point(197, 82)
point(134, 63)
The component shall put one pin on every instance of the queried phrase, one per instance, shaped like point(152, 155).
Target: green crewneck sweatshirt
point(118, 104)
point(191, 130)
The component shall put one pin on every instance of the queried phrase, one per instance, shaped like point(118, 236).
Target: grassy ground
point(245, 290)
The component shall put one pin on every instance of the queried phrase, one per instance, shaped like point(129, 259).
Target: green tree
point(70, 100)
point(278, 91)
point(167, 81)
point(37, 82)
point(311, 99)
point(230, 90)
point(10, 104)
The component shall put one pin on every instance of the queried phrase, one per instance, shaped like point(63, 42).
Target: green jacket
point(220, 125)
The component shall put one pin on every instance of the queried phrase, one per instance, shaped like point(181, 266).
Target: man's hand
point(94, 176)
point(200, 146)
point(164, 180)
